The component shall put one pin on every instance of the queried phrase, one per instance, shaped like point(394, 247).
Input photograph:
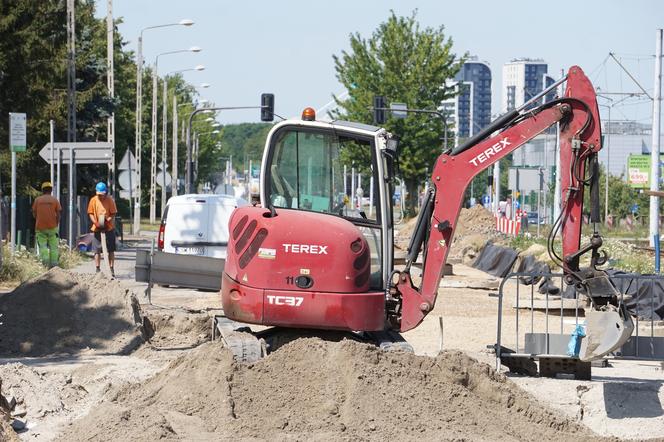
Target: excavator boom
point(580, 140)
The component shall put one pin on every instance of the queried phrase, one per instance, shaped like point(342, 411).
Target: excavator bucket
point(606, 331)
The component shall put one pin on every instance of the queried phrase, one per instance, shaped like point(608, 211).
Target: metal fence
point(537, 313)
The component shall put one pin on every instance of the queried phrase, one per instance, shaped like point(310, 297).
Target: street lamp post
point(164, 159)
point(188, 180)
point(197, 147)
point(608, 163)
point(153, 163)
point(139, 117)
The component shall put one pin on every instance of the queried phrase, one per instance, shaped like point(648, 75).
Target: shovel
point(101, 220)
point(606, 331)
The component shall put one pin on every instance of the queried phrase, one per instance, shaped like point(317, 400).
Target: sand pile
point(7, 434)
point(40, 393)
point(476, 220)
point(475, 227)
point(316, 390)
point(63, 312)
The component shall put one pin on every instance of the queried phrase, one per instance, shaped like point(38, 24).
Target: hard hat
point(46, 185)
point(101, 188)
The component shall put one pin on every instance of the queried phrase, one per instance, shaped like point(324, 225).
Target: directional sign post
point(17, 143)
point(17, 132)
point(98, 152)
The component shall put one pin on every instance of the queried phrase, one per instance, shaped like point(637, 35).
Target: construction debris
point(63, 312)
point(7, 433)
point(312, 389)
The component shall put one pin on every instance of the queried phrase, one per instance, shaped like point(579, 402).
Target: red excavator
point(305, 260)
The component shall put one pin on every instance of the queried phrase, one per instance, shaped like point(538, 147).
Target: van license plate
point(190, 250)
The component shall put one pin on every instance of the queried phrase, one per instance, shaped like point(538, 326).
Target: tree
point(405, 64)
point(33, 79)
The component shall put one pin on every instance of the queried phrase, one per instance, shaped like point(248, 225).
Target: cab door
point(309, 168)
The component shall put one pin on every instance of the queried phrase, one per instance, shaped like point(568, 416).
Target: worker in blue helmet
point(102, 211)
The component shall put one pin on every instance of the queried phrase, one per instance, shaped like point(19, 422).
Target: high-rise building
point(524, 78)
point(472, 104)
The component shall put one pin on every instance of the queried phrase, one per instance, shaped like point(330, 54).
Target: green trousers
point(47, 240)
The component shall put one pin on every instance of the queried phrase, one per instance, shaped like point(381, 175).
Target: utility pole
point(608, 169)
point(163, 145)
point(654, 162)
point(174, 168)
point(71, 71)
point(71, 109)
point(110, 82)
point(138, 141)
point(556, 159)
point(153, 151)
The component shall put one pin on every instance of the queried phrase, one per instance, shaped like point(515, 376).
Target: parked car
point(532, 218)
point(197, 224)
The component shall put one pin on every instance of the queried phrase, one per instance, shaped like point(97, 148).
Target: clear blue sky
point(285, 47)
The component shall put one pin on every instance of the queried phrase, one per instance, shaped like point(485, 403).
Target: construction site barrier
point(538, 312)
point(508, 226)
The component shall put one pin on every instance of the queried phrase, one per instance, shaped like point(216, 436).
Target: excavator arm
point(580, 140)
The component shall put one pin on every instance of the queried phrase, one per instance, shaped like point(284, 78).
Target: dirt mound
point(316, 390)
point(472, 223)
point(477, 219)
point(7, 434)
point(63, 312)
point(40, 393)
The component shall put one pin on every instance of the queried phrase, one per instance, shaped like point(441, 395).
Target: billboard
point(638, 170)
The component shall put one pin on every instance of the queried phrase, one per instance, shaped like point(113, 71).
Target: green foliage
point(405, 64)
point(24, 264)
point(69, 258)
point(244, 142)
point(621, 197)
point(33, 79)
point(20, 266)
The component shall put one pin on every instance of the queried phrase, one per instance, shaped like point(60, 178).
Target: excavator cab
point(315, 254)
point(308, 167)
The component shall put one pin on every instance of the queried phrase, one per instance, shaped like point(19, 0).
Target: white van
point(197, 224)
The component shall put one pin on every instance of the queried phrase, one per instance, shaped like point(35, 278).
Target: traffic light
point(267, 107)
point(379, 110)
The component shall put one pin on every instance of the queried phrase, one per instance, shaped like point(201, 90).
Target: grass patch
point(146, 226)
point(622, 256)
point(24, 264)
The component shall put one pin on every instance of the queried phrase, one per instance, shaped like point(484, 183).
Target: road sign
point(128, 161)
point(17, 132)
point(98, 152)
point(123, 180)
point(399, 110)
point(160, 178)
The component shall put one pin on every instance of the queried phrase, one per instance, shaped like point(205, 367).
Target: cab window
point(308, 170)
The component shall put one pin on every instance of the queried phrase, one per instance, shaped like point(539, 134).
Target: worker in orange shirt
point(102, 211)
point(46, 209)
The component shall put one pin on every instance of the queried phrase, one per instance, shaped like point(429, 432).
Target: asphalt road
point(170, 297)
